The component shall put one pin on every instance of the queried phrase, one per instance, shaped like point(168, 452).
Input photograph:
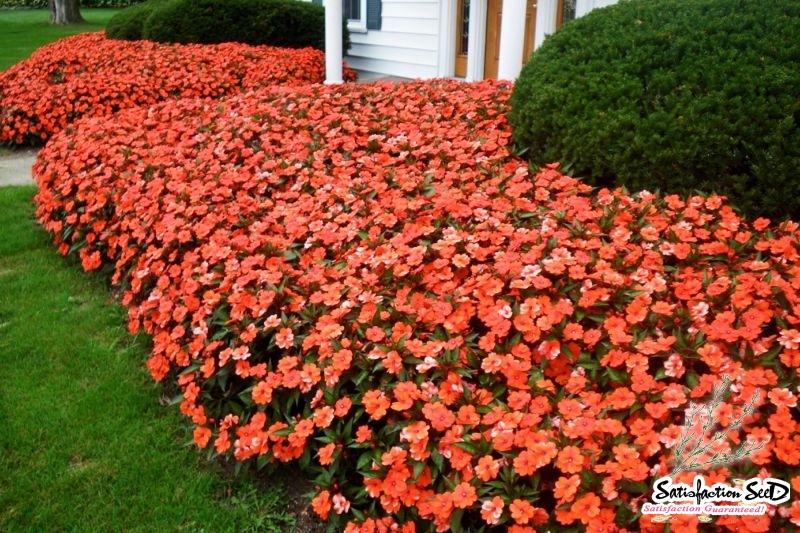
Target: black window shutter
point(373, 14)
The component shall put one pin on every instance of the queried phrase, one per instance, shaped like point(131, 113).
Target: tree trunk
point(65, 12)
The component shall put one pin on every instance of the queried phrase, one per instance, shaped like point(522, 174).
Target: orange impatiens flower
point(522, 512)
point(492, 510)
point(416, 432)
point(586, 507)
point(621, 398)
point(376, 404)
point(569, 409)
point(321, 504)
point(326, 454)
point(442, 507)
point(375, 334)
point(617, 329)
point(284, 338)
point(787, 450)
point(439, 416)
point(794, 513)
point(570, 460)
point(567, 487)
point(363, 434)
point(201, 436)
point(487, 468)
point(464, 496)
point(782, 398)
point(342, 406)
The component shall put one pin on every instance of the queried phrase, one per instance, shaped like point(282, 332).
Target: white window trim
point(359, 25)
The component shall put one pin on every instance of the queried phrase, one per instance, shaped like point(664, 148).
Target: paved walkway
point(15, 166)
point(369, 77)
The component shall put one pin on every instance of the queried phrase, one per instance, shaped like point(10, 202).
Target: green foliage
point(128, 23)
point(284, 23)
point(42, 4)
point(676, 95)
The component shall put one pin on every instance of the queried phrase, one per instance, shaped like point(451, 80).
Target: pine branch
point(690, 460)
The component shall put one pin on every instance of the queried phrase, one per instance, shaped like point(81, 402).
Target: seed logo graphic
point(745, 497)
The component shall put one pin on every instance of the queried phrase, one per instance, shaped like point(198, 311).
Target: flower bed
point(88, 74)
point(366, 280)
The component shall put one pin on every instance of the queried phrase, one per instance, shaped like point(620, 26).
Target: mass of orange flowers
point(89, 75)
point(367, 279)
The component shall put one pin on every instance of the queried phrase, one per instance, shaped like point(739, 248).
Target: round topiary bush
point(283, 23)
point(128, 23)
point(674, 95)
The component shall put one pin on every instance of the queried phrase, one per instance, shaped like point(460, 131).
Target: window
point(566, 11)
point(361, 15)
point(463, 37)
point(352, 9)
point(355, 11)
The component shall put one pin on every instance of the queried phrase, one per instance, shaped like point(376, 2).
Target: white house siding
point(407, 44)
point(584, 6)
point(417, 37)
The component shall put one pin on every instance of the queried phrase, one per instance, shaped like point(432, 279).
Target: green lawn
point(85, 444)
point(24, 30)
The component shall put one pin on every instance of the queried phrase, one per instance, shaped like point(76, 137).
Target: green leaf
point(437, 459)
point(470, 447)
point(633, 487)
point(588, 477)
point(359, 379)
point(283, 432)
point(455, 521)
point(615, 375)
point(417, 469)
point(625, 516)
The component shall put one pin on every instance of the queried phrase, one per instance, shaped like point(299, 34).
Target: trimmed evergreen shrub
point(284, 23)
point(42, 4)
point(23, 4)
point(674, 95)
point(128, 23)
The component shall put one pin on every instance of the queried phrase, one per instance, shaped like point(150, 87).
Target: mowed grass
point(24, 30)
point(85, 443)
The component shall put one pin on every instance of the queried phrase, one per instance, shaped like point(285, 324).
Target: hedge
point(128, 24)
point(672, 95)
point(282, 23)
point(42, 4)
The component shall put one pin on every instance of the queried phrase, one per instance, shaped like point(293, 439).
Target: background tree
point(65, 11)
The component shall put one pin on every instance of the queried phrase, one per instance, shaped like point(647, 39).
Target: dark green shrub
point(285, 23)
point(42, 4)
point(675, 95)
point(27, 4)
point(128, 23)
point(110, 3)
